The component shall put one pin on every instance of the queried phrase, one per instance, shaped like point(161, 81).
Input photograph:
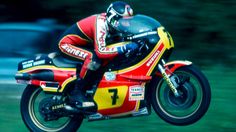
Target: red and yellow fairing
point(113, 96)
point(137, 74)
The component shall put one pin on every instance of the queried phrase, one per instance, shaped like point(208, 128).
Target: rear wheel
point(191, 105)
point(30, 112)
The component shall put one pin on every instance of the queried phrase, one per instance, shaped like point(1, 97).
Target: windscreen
point(137, 24)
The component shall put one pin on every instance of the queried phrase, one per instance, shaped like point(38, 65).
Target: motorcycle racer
point(86, 41)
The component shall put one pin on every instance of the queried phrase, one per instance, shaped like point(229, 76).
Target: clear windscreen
point(137, 24)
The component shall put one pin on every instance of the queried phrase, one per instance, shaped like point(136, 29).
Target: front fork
point(171, 80)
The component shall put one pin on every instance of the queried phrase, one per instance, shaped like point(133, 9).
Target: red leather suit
point(85, 41)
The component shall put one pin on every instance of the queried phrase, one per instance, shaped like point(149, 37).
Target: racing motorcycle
point(127, 86)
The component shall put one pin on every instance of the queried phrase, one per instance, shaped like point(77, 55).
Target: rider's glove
point(130, 47)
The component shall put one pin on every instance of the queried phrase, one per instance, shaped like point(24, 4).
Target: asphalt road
point(221, 116)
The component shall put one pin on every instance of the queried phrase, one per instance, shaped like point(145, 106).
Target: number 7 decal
point(114, 97)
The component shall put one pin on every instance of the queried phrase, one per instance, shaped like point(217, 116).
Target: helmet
point(117, 10)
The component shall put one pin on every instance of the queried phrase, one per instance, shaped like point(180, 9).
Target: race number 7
point(114, 97)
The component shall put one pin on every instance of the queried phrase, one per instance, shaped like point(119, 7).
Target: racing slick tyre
point(29, 106)
point(193, 102)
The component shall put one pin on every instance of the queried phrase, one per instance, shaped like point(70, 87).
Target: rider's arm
point(100, 34)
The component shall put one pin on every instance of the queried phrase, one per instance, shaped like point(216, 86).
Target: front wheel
point(30, 107)
point(191, 105)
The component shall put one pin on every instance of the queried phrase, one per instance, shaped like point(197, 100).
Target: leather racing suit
point(80, 37)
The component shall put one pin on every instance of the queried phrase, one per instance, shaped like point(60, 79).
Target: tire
point(185, 110)
point(31, 117)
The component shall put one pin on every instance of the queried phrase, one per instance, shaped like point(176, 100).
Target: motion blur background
point(203, 31)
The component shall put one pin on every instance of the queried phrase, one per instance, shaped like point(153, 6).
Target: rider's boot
point(78, 98)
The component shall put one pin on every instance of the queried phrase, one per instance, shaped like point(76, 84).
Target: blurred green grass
point(219, 118)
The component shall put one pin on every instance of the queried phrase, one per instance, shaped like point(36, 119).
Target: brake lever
point(147, 47)
point(127, 54)
point(142, 44)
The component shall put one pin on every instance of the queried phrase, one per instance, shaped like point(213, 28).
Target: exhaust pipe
point(22, 76)
point(42, 75)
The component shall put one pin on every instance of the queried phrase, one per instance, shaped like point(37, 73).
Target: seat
point(62, 62)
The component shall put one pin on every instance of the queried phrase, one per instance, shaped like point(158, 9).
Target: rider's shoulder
point(101, 16)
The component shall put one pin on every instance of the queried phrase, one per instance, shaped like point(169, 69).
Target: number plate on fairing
point(110, 97)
